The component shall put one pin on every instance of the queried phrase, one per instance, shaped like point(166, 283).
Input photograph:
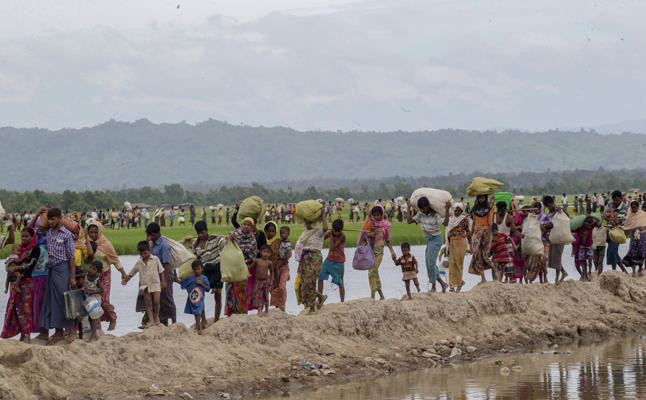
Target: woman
point(279, 276)
point(482, 216)
point(537, 264)
point(260, 241)
point(636, 223)
point(19, 314)
point(614, 215)
point(311, 243)
point(457, 233)
point(100, 248)
point(237, 297)
point(377, 228)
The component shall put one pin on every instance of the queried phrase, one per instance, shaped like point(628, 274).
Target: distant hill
point(635, 126)
point(121, 154)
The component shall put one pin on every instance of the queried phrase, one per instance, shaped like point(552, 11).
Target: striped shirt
point(210, 254)
point(60, 245)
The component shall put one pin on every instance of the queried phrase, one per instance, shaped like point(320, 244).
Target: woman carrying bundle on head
point(311, 244)
point(482, 216)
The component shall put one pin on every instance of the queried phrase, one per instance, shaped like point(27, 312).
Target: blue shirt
point(161, 249)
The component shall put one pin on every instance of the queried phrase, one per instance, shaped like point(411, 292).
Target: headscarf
point(481, 209)
point(23, 248)
point(635, 220)
point(250, 220)
point(371, 223)
point(453, 220)
point(276, 236)
point(103, 244)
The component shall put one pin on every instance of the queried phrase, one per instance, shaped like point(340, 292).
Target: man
point(555, 250)
point(61, 275)
point(564, 202)
point(207, 248)
point(161, 249)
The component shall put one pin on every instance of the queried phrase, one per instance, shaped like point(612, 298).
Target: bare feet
point(444, 286)
point(322, 301)
point(42, 336)
point(565, 274)
point(113, 324)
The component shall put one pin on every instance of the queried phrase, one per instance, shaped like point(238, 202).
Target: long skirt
point(433, 246)
point(555, 259)
point(251, 284)
point(52, 313)
point(236, 298)
point(457, 252)
point(373, 274)
point(636, 250)
point(167, 309)
point(18, 317)
point(310, 267)
point(480, 246)
point(279, 292)
point(38, 295)
point(108, 309)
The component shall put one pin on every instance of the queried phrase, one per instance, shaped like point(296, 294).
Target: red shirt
point(337, 248)
point(500, 249)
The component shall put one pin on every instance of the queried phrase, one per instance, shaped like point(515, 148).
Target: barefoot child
point(263, 265)
point(280, 278)
point(409, 268)
point(196, 285)
point(151, 281)
point(582, 248)
point(334, 263)
point(599, 247)
point(12, 260)
point(93, 288)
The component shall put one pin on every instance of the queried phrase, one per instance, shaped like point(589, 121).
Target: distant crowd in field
point(62, 261)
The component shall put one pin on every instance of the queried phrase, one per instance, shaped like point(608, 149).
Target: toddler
point(12, 261)
point(151, 281)
point(196, 286)
point(409, 268)
point(93, 288)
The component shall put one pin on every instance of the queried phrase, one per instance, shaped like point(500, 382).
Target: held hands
point(73, 282)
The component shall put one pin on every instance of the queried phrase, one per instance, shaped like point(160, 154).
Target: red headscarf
point(23, 248)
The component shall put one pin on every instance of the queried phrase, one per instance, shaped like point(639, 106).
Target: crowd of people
point(55, 253)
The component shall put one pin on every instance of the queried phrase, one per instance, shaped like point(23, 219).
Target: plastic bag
point(179, 254)
point(560, 233)
point(617, 235)
point(503, 196)
point(252, 207)
point(532, 243)
point(482, 186)
point(232, 265)
point(364, 258)
point(436, 197)
point(74, 304)
point(309, 210)
point(578, 221)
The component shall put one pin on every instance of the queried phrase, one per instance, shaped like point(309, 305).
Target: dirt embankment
point(248, 354)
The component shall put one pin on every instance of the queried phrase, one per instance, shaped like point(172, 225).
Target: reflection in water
point(609, 370)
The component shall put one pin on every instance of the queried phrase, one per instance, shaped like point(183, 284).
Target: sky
point(323, 64)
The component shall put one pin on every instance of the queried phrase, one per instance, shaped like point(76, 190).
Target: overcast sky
point(317, 64)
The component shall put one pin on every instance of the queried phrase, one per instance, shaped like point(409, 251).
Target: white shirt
point(563, 200)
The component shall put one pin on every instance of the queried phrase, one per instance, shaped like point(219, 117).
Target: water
point(615, 369)
point(356, 283)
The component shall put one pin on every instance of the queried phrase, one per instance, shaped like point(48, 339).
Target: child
point(93, 288)
point(281, 270)
point(409, 268)
point(501, 248)
point(151, 281)
point(196, 286)
point(334, 263)
point(11, 261)
point(262, 285)
point(582, 248)
point(599, 247)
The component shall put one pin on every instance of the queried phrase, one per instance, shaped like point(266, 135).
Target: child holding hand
point(196, 286)
point(151, 281)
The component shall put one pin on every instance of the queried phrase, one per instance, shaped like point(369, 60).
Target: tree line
point(519, 183)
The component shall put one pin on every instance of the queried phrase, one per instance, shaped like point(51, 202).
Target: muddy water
point(615, 369)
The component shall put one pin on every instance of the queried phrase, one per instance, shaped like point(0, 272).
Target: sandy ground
point(251, 354)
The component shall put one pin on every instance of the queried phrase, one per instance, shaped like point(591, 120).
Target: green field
point(125, 240)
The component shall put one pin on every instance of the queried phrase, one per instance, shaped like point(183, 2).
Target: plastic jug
point(93, 307)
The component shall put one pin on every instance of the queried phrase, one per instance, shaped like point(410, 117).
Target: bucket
point(93, 307)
